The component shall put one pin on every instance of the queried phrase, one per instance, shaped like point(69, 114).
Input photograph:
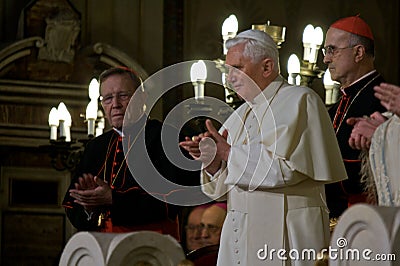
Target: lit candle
point(91, 115)
point(293, 68)
point(65, 122)
point(198, 76)
point(68, 123)
point(335, 92)
point(94, 92)
point(316, 42)
point(229, 29)
point(307, 40)
point(53, 123)
point(331, 88)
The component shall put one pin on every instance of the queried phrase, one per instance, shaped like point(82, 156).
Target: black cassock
point(358, 101)
point(133, 207)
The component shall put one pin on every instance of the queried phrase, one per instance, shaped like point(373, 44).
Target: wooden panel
point(33, 223)
point(25, 192)
point(32, 239)
point(16, 181)
point(25, 106)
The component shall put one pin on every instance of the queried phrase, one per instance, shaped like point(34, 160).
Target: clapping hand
point(363, 130)
point(389, 95)
point(211, 148)
point(91, 192)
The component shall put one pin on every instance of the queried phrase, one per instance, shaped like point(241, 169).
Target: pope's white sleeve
point(214, 186)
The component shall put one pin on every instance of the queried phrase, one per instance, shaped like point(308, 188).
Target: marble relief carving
point(61, 33)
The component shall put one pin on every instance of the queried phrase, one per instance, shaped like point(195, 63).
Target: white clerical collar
point(122, 133)
point(369, 73)
point(118, 131)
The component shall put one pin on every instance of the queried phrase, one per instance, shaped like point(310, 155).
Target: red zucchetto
point(354, 25)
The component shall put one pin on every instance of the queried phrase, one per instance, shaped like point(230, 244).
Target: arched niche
point(31, 86)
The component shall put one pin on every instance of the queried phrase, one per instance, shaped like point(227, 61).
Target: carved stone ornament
point(61, 33)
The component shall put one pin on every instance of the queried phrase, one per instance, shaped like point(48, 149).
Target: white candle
point(53, 132)
point(229, 30)
point(91, 115)
point(198, 76)
point(335, 94)
point(67, 133)
point(328, 96)
point(53, 123)
point(100, 124)
point(199, 91)
point(312, 57)
point(293, 68)
point(65, 121)
point(99, 131)
point(62, 129)
point(91, 126)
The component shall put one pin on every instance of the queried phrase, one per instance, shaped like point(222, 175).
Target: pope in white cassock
point(270, 160)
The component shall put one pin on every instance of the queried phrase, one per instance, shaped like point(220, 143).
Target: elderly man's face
point(116, 91)
point(340, 57)
point(244, 76)
point(211, 222)
point(193, 232)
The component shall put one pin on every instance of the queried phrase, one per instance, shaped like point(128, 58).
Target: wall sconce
point(312, 41)
point(229, 30)
point(64, 152)
point(277, 33)
point(198, 107)
point(331, 89)
point(293, 68)
point(60, 150)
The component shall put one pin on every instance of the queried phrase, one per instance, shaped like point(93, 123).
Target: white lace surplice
point(385, 162)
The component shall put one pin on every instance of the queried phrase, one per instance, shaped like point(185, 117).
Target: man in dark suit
point(107, 192)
